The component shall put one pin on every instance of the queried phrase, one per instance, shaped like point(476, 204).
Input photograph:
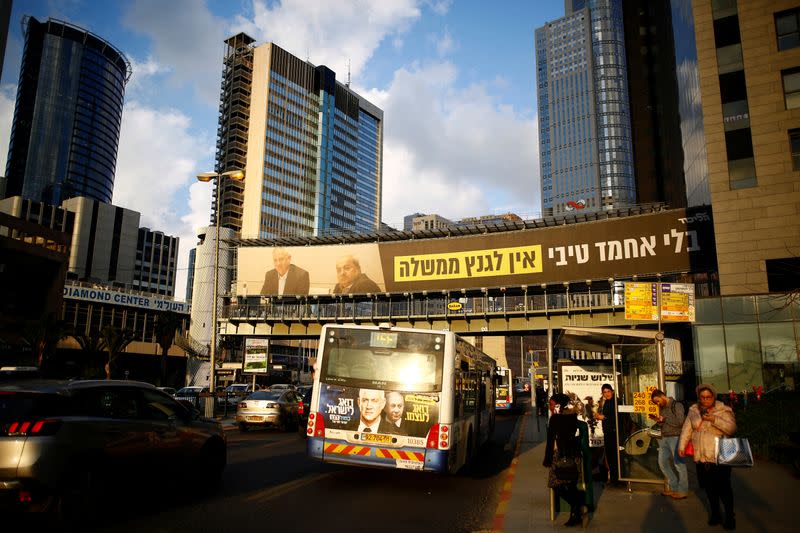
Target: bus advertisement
point(399, 398)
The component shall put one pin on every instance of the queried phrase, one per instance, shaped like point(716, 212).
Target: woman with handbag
point(707, 420)
point(563, 457)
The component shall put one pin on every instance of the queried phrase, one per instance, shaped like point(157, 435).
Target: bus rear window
point(383, 360)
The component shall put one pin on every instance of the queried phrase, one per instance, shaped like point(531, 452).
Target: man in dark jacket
point(607, 415)
point(671, 416)
point(350, 279)
point(285, 278)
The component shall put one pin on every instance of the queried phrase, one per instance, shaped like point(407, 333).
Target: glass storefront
point(743, 342)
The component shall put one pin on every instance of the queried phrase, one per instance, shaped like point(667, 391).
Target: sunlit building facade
point(314, 152)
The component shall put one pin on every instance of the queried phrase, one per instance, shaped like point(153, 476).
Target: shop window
point(787, 29)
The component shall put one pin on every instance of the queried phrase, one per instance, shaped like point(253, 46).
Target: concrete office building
point(155, 266)
point(103, 242)
point(585, 144)
point(314, 152)
point(67, 116)
point(749, 64)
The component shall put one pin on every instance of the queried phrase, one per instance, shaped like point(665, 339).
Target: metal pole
point(214, 326)
point(660, 342)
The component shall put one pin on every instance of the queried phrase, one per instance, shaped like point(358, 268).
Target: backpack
point(684, 403)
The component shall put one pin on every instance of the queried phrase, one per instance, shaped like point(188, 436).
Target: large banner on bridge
point(678, 240)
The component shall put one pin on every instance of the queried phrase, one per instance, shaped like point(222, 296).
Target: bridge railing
point(398, 306)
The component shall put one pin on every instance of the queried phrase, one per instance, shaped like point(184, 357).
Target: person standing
point(608, 415)
point(707, 420)
point(671, 416)
point(563, 442)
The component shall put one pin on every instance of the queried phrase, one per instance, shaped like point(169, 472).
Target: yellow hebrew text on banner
point(470, 264)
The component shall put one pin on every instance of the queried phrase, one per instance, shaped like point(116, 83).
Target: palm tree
point(166, 326)
point(115, 341)
point(91, 345)
point(43, 336)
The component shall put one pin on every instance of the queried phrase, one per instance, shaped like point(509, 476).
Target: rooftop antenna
point(348, 73)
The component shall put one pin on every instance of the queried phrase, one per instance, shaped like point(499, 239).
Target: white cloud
point(445, 44)
point(186, 38)
point(453, 151)
point(440, 7)
point(159, 156)
point(143, 73)
point(330, 33)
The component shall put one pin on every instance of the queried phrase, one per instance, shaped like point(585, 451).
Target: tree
point(91, 345)
point(115, 341)
point(43, 336)
point(166, 326)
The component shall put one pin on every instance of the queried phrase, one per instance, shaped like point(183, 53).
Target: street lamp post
point(206, 177)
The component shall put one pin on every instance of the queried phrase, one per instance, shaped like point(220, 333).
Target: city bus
point(505, 390)
point(400, 398)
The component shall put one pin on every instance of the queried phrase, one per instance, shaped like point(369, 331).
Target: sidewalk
point(765, 498)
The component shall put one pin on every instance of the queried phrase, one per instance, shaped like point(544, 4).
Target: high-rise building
point(666, 113)
point(585, 142)
point(234, 117)
point(190, 276)
point(155, 266)
point(314, 148)
point(67, 117)
point(103, 242)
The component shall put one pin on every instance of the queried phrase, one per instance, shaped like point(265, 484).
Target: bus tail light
point(438, 437)
point(316, 425)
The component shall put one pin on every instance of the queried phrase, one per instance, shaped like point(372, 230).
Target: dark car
point(191, 395)
point(65, 446)
point(302, 409)
point(268, 408)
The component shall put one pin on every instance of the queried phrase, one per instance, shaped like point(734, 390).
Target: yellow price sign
point(642, 403)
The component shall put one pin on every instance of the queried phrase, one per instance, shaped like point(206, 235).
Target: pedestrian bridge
point(489, 312)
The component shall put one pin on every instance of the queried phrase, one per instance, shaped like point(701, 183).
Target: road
point(270, 484)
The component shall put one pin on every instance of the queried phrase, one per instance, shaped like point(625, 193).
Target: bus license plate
point(255, 419)
point(376, 437)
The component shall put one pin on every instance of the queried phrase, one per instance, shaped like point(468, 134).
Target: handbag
point(733, 451)
point(689, 449)
point(567, 468)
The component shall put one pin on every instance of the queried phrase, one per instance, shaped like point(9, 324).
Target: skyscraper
point(314, 148)
point(67, 117)
point(585, 146)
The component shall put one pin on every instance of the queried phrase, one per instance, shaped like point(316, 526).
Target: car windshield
point(265, 395)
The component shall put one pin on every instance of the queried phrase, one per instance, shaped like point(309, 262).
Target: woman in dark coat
point(563, 442)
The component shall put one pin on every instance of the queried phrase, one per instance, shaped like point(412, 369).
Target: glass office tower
point(585, 147)
point(67, 116)
point(314, 152)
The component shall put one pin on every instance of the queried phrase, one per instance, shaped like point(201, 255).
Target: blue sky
point(455, 78)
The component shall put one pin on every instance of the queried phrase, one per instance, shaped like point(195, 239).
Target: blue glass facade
point(584, 118)
point(68, 115)
point(322, 163)
point(695, 161)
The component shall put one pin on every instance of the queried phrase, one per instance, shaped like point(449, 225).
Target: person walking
point(671, 417)
point(707, 420)
point(607, 415)
point(562, 442)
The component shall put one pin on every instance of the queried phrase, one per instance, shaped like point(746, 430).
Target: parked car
point(235, 393)
point(66, 446)
point(191, 395)
point(268, 408)
point(303, 408)
point(168, 390)
point(281, 387)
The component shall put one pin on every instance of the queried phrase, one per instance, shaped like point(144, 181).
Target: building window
point(794, 144)
point(791, 87)
point(787, 28)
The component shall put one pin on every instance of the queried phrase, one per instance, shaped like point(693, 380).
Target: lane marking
point(498, 523)
point(265, 495)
